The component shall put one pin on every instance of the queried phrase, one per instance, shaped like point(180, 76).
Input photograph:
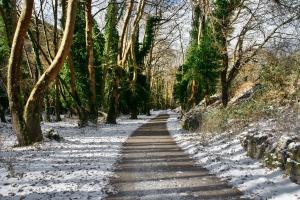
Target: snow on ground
point(224, 156)
point(79, 167)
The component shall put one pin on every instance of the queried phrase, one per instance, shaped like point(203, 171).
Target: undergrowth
point(276, 99)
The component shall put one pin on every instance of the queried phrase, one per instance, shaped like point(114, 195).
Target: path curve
point(153, 166)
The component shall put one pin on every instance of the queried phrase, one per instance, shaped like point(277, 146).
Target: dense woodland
point(91, 58)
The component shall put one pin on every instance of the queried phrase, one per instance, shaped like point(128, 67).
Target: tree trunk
point(81, 111)
point(114, 100)
point(55, 44)
point(32, 122)
point(124, 29)
point(192, 99)
point(24, 136)
point(47, 107)
point(46, 35)
point(134, 113)
point(225, 84)
point(147, 105)
point(83, 119)
point(57, 101)
point(2, 114)
point(93, 115)
point(225, 94)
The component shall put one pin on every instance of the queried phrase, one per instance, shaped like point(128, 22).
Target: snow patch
point(78, 167)
point(224, 156)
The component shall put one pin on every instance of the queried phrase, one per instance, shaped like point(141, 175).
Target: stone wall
point(282, 152)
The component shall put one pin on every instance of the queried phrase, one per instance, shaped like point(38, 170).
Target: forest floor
point(103, 161)
point(153, 166)
point(78, 167)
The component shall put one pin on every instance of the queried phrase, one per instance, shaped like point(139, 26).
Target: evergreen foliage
point(140, 92)
point(111, 70)
point(201, 65)
point(79, 55)
point(99, 43)
point(4, 46)
point(111, 34)
point(149, 37)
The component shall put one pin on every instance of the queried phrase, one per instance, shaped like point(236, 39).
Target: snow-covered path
point(154, 167)
point(78, 167)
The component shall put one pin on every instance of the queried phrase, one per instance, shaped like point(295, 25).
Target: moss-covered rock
point(256, 143)
point(192, 120)
point(293, 162)
point(282, 150)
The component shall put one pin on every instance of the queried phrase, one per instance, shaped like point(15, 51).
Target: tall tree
point(14, 77)
point(55, 44)
point(110, 58)
point(93, 115)
point(26, 119)
point(197, 77)
point(226, 13)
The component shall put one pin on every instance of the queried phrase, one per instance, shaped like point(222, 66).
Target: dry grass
point(275, 100)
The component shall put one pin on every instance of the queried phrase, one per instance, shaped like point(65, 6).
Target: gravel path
point(153, 166)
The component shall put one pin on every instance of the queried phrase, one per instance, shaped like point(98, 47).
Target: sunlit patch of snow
point(224, 156)
point(79, 167)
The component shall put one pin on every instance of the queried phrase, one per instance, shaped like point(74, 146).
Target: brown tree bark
point(35, 41)
point(228, 75)
point(93, 115)
point(14, 76)
point(132, 50)
point(124, 29)
point(55, 44)
point(133, 30)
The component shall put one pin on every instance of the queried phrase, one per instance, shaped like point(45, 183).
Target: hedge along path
point(153, 166)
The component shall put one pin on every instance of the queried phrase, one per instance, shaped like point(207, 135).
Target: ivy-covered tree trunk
point(93, 115)
point(147, 105)
point(134, 50)
point(83, 118)
point(133, 106)
point(114, 100)
point(192, 99)
point(110, 53)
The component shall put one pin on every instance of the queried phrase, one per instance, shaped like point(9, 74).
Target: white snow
point(79, 167)
point(223, 155)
